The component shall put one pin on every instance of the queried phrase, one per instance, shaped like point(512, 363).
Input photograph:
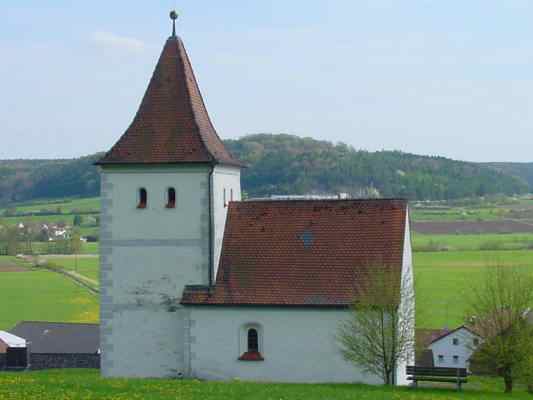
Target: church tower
point(165, 188)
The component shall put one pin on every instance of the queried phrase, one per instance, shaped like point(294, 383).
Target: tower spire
point(173, 16)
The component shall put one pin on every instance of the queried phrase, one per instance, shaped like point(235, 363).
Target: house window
point(251, 343)
point(224, 195)
point(171, 198)
point(231, 195)
point(455, 342)
point(456, 359)
point(143, 198)
point(476, 342)
point(441, 358)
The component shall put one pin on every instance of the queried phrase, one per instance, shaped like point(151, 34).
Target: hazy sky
point(451, 78)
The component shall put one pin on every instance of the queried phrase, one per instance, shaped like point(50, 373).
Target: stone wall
point(46, 361)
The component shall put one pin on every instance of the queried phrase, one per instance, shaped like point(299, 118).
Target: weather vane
point(173, 17)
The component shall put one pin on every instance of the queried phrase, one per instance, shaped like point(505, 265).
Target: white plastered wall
point(147, 257)
point(226, 179)
point(298, 345)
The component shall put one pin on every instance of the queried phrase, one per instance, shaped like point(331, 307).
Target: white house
point(196, 283)
point(453, 349)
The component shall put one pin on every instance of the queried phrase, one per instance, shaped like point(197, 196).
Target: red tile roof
point(303, 253)
point(172, 124)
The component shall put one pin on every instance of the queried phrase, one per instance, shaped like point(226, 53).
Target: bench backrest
point(423, 371)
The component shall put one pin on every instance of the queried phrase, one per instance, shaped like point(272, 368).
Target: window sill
point(251, 356)
point(141, 206)
point(170, 206)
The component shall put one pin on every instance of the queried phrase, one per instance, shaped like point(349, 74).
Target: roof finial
point(173, 17)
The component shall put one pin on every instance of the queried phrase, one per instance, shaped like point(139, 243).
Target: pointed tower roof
point(172, 124)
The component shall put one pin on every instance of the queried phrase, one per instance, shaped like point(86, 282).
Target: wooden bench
point(452, 375)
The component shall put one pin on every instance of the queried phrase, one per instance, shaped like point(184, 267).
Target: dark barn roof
point(59, 337)
point(303, 253)
point(172, 124)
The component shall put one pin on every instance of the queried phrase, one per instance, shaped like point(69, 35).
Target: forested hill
point(282, 164)
point(522, 170)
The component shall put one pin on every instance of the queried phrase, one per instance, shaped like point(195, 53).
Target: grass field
point(443, 280)
point(42, 295)
point(486, 241)
point(87, 384)
point(85, 266)
point(68, 206)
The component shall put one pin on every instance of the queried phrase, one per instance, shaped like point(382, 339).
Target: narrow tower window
point(171, 198)
point(143, 198)
point(224, 195)
point(253, 340)
point(231, 195)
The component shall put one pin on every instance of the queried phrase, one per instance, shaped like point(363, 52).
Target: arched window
point(171, 198)
point(253, 340)
point(251, 343)
point(143, 198)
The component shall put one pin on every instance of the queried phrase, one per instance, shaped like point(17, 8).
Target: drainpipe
point(211, 225)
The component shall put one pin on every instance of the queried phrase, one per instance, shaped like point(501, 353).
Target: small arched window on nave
point(143, 198)
point(253, 340)
point(171, 198)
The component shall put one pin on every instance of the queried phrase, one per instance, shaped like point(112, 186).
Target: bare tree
point(379, 334)
point(498, 311)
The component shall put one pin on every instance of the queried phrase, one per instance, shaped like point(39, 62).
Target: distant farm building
point(59, 344)
point(13, 351)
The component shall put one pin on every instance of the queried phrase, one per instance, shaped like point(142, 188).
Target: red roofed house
point(197, 283)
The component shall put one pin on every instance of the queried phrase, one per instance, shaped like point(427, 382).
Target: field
point(68, 206)
point(454, 244)
point(30, 294)
point(86, 266)
point(54, 211)
point(87, 384)
point(473, 242)
point(444, 279)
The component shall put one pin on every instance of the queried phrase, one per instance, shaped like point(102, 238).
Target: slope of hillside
point(521, 170)
point(282, 164)
point(290, 164)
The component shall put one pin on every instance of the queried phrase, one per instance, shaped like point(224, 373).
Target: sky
point(452, 78)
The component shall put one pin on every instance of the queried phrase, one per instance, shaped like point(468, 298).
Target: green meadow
point(87, 384)
point(32, 294)
point(484, 241)
point(86, 266)
point(67, 206)
point(443, 280)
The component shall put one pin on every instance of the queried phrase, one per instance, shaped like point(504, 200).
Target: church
point(196, 282)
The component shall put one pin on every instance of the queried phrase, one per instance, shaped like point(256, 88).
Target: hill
point(521, 170)
point(282, 164)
